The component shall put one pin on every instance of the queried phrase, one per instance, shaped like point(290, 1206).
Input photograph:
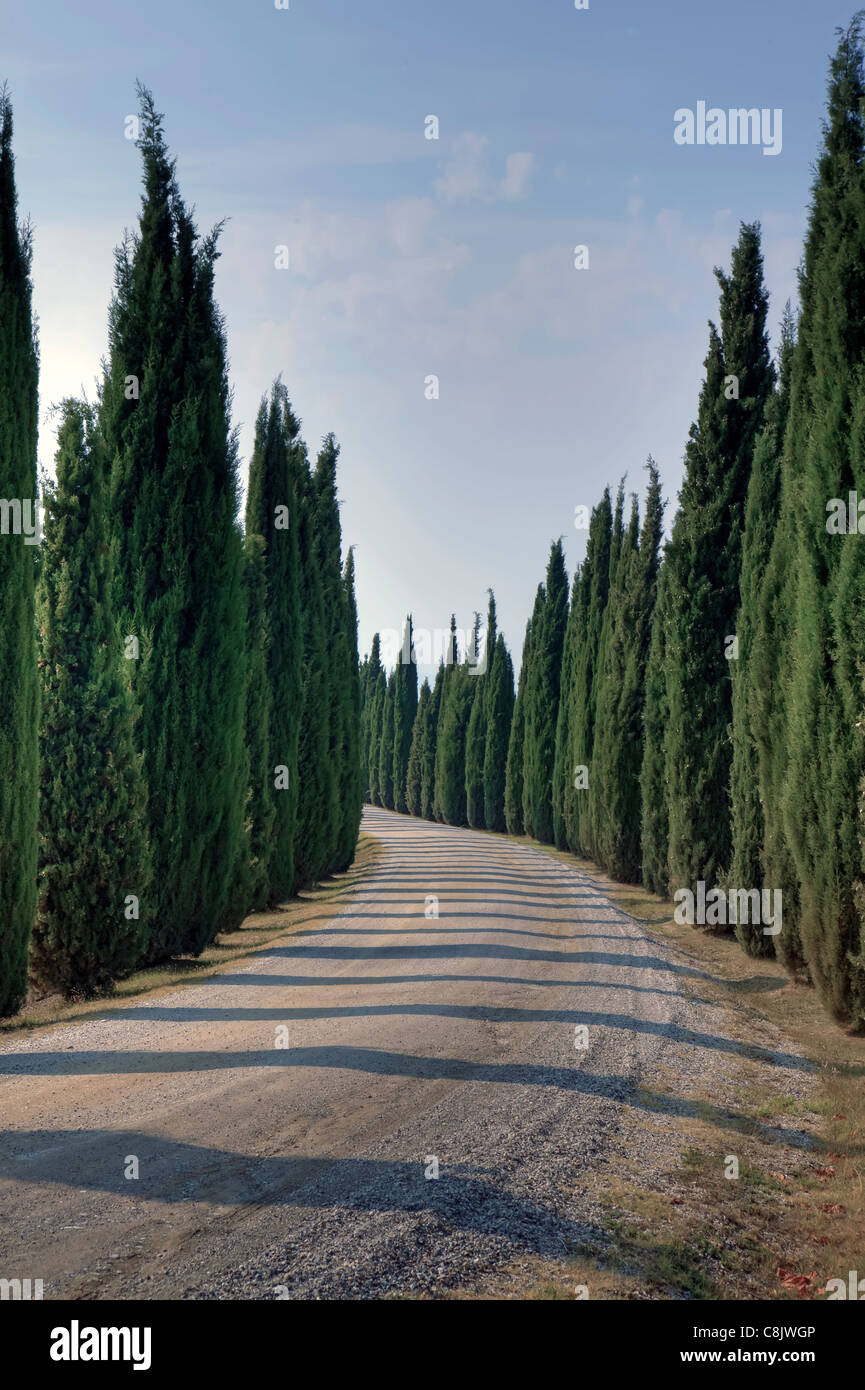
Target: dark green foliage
point(561, 781)
point(654, 784)
point(542, 698)
point(272, 513)
point(385, 748)
point(430, 741)
point(414, 774)
point(477, 730)
point(316, 791)
point(94, 872)
point(450, 777)
point(260, 803)
point(177, 555)
point(378, 695)
point(705, 561)
point(451, 658)
point(757, 690)
point(592, 600)
point(824, 585)
point(328, 539)
point(352, 770)
point(617, 755)
point(529, 665)
point(19, 693)
point(499, 711)
point(368, 720)
point(405, 709)
point(516, 744)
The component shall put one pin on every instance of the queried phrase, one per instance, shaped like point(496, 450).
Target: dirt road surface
point(285, 1119)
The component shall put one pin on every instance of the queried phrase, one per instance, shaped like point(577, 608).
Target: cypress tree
point(617, 754)
point(500, 711)
point(272, 513)
point(594, 588)
point(405, 709)
point(755, 704)
point(516, 744)
point(177, 555)
point(367, 721)
point(352, 767)
point(451, 668)
point(654, 782)
point(316, 792)
point(19, 694)
point(561, 788)
point(385, 752)
point(705, 563)
point(94, 871)
point(379, 695)
point(430, 739)
point(528, 783)
point(329, 550)
point(260, 808)
point(414, 773)
point(826, 584)
point(542, 704)
point(477, 728)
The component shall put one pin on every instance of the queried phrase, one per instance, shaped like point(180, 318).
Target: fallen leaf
point(791, 1280)
point(832, 1208)
point(825, 1173)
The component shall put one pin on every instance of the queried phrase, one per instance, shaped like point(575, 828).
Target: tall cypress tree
point(352, 770)
point(594, 588)
point(826, 583)
point(405, 709)
point(19, 758)
point(755, 703)
point(705, 563)
point(542, 703)
point(430, 742)
point(385, 751)
point(329, 550)
point(367, 723)
point(561, 777)
point(272, 512)
point(94, 869)
point(164, 412)
point(516, 745)
point(260, 804)
point(654, 781)
point(477, 728)
point(376, 710)
point(450, 671)
point(500, 711)
point(530, 665)
point(617, 754)
point(316, 787)
point(414, 772)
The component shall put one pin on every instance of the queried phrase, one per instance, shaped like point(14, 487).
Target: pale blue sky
point(410, 257)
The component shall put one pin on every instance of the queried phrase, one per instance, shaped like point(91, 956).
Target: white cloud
point(467, 174)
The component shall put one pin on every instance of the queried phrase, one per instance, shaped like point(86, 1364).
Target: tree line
point(693, 712)
point(181, 734)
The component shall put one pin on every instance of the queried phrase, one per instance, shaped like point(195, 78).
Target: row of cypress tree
point(197, 741)
point(695, 712)
point(440, 753)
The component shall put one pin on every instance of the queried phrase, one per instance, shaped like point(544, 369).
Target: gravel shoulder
point(531, 1044)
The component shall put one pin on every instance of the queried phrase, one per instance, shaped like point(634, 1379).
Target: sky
point(410, 258)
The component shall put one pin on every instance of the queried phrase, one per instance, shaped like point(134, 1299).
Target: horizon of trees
point(693, 712)
point(182, 691)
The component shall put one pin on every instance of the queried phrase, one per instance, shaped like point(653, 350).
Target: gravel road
point(285, 1119)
